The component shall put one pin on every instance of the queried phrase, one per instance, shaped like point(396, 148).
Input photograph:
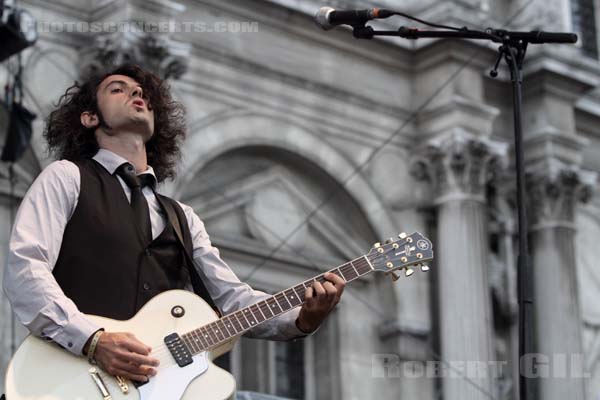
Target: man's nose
point(136, 92)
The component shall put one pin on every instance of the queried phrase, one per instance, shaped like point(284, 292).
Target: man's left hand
point(320, 299)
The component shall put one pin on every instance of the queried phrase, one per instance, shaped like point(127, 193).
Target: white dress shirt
point(39, 302)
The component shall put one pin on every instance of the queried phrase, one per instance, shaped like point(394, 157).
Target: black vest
point(104, 266)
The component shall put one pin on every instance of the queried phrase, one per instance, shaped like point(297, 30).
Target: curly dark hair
point(68, 139)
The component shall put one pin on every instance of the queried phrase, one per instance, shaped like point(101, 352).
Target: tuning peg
point(395, 276)
point(402, 235)
point(377, 245)
point(390, 240)
point(408, 271)
point(424, 267)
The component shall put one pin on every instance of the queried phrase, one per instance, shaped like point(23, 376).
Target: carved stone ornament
point(554, 189)
point(459, 165)
point(166, 57)
point(535, 14)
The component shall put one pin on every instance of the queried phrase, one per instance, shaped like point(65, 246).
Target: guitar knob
point(402, 235)
point(424, 267)
point(408, 271)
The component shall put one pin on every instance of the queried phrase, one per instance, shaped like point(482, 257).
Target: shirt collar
point(111, 161)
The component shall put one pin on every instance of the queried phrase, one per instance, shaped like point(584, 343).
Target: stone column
point(554, 191)
point(458, 166)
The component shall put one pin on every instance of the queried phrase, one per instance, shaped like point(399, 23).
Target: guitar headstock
point(401, 253)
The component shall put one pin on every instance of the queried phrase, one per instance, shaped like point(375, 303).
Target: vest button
point(146, 286)
point(147, 252)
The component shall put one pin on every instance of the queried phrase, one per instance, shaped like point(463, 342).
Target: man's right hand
point(120, 353)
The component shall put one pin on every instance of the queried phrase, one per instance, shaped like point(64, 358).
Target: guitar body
point(42, 370)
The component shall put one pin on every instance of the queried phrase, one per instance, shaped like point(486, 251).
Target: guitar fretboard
point(236, 323)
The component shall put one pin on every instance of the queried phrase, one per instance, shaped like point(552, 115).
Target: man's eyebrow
point(120, 82)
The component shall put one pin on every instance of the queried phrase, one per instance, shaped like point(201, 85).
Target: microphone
point(328, 18)
point(537, 36)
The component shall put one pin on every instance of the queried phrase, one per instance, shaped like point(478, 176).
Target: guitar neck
point(234, 324)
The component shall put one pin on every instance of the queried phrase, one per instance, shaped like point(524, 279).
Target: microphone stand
point(512, 50)
point(12, 181)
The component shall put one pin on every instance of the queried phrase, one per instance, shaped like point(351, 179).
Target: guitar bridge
point(122, 384)
point(100, 384)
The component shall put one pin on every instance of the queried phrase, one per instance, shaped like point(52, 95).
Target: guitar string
point(358, 264)
point(162, 349)
point(166, 360)
point(192, 342)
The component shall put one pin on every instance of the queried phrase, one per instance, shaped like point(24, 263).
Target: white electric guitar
point(185, 335)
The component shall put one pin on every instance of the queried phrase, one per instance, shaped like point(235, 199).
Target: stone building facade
point(306, 147)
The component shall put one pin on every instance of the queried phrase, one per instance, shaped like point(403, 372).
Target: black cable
point(432, 24)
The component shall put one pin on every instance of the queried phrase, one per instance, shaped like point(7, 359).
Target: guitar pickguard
point(171, 382)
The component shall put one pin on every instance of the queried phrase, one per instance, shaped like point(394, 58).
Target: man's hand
point(320, 300)
point(122, 354)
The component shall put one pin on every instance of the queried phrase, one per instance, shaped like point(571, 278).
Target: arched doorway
point(279, 219)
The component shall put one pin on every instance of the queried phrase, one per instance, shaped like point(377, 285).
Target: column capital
point(458, 165)
point(554, 189)
point(166, 57)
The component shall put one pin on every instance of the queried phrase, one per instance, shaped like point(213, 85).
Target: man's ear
point(89, 119)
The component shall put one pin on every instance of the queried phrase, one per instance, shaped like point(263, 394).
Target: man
point(90, 238)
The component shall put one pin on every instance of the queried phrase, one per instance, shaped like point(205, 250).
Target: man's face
point(124, 106)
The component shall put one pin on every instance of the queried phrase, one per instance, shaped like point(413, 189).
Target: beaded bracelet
point(92, 349)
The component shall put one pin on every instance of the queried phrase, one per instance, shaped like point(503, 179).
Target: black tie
point(138, 200)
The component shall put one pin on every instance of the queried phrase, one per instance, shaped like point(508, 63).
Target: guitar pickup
point(178, 350)
point(100, 384)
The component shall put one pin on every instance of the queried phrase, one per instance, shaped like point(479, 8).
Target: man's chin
point(142, 125)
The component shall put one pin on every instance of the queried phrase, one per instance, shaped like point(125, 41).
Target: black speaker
point(19, 133)
point(18, 33)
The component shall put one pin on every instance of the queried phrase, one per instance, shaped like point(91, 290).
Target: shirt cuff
point(290, 328)
point(76, 333)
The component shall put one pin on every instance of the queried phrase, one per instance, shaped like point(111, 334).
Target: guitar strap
point(197, 283)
